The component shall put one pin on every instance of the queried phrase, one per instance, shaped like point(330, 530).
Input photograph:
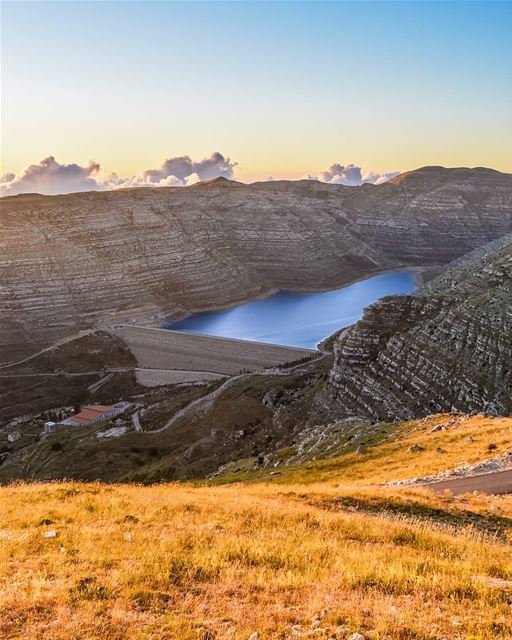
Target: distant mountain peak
point(432, 171)
point(221, 181)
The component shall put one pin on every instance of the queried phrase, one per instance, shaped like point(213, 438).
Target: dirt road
point(56, 345)
point(496, 482)
point(213, 394)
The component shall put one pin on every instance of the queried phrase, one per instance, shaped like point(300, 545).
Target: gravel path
point(497, 482)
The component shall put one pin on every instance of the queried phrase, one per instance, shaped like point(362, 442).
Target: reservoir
point(297, 319)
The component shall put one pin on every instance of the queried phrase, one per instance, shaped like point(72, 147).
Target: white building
point(50, 426)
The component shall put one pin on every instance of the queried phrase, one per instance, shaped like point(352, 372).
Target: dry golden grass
point(467, 440)
point(289, 561)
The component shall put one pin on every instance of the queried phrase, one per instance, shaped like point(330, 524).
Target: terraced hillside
point(447, 347)
point(89, 260)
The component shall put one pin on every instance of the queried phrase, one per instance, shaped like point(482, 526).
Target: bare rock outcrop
point(88, 260)
point(446, 348)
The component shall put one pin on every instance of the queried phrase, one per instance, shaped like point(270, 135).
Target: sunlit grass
point(470, 439)
point(182, 562)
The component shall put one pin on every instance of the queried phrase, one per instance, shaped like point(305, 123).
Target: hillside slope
point(92, 259)
point(280, 560)
point(447, 347)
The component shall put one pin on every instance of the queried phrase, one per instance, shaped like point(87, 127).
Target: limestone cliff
point(446, 348)
point(92, 259)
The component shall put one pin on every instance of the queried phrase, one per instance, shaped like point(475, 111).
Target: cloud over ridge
point(52, 178)
point(351, 175)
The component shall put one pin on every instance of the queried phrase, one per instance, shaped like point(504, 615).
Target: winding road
point(213, 394)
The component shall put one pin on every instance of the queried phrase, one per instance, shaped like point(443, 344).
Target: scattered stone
point(416, 448)
point(499, 463)
point(357, 636)
point(469, 439)
point(50, 534)
point(362, 448)
point(440, 450)
point(254, 636)
point(113, 432)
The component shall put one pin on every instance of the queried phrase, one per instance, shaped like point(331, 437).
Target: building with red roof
point(96, 413)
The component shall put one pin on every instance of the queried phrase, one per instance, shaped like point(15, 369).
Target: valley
point(202, 404)
point(357, 489)
point(93, 260)
point(256, 320)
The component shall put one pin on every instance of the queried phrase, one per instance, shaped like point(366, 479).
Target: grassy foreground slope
point(284, 559)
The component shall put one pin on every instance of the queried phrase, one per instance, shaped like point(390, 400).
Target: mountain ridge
point(91, 259)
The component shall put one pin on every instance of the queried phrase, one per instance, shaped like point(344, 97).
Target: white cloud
point(7, 177)
point(186, 171)
point(351, 175)
point(341, 174)
point(380, 178)
point(50, 177)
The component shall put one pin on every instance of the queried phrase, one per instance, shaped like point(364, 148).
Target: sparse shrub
point(129, 518)
point(184, 574)
point(155, 601)
point(89, 589)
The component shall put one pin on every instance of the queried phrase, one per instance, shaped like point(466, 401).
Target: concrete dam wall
point(163, 349)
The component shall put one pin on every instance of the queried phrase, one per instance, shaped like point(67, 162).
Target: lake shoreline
point(280, 318)
point(417, 271)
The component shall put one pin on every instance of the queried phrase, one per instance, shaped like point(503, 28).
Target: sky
point(275, 89)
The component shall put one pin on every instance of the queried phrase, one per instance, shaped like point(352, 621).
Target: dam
point(280, 330)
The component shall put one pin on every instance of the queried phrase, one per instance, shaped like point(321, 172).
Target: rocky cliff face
point(446, 348)
point(91, 259)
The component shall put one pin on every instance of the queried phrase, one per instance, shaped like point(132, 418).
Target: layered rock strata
point(93, 259)
point(446, 348)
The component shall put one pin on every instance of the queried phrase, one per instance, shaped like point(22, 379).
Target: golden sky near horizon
point(283, 89)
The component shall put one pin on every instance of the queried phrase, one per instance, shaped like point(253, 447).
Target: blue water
point(297, 319)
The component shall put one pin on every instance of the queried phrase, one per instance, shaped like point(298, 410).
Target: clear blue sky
point(283, 88)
